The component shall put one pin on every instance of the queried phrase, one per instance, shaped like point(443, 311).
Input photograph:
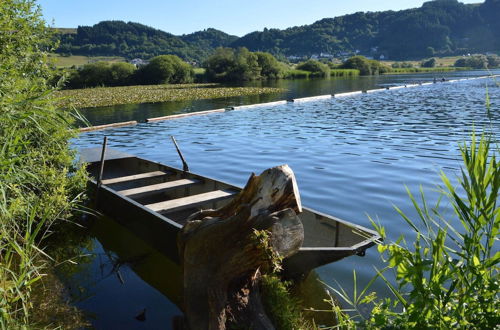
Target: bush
point(227, 64)
point(429, 63)
point(316, 68)
point(365, 66)
point(101, 74)
point(165, 69)
point(474, 61)
point(270, 68)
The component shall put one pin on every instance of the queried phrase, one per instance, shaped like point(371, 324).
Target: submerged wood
point(222, 258)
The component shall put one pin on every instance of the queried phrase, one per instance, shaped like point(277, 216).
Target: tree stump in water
point(223, 257)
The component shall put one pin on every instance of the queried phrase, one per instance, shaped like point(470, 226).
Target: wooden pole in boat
point(185, 166)
point(101, 168)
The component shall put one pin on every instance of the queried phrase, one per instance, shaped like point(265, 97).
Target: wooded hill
point(439, 27)
point(134, 40)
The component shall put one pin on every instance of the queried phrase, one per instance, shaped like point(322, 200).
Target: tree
point(360, 63)
point(316, 67)
point(270, 67)
point(166, 69)
point(429, 63)
point(227, 64)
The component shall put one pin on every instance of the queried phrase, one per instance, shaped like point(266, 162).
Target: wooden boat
point(153, 200)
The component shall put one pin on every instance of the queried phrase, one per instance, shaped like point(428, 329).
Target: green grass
point(107, 96)
point(344, 73)
point(77, 60)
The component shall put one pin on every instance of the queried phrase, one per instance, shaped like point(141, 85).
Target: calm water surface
point(352, 157)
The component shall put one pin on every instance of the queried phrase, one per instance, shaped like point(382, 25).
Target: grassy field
point(77, 60)
point(106, 96)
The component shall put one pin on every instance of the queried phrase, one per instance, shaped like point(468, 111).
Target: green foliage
point(437, 28)
point(101, 74)
point(398, 65)
point(134, 40)
point(429, 63)
point(478, 61)
point(38, 181)
point(283, 310)
point(227, 64)
point(447, 276)
point(166, 69)
point(270, 67)
point(316, 68)
point(344, 73)
point(365, 66)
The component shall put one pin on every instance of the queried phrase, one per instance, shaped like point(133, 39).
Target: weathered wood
point(148, 175)
point(190, 201)
point(158, 188)
point(222, 257)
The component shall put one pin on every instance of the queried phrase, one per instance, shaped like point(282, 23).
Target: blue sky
point(231, 16)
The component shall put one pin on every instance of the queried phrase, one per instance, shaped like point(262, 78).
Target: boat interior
point(176, 195)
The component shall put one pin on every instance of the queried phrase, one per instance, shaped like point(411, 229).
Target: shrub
point(474, 61)
point(165, 69)
point(429, 63)
point(227, 64)
point(316, 68)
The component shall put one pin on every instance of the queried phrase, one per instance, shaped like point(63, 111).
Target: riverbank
point(107, 96)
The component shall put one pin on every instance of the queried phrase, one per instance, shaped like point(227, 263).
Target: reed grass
point(344, 73)
point(39, 183)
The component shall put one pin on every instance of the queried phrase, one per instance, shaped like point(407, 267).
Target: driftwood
point(223, 260)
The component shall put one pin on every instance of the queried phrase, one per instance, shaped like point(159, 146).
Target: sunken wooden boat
point(153, 200)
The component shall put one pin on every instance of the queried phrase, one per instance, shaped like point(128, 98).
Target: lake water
point(352, 157)
point(294, 89)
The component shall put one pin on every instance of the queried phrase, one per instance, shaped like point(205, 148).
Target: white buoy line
point(296, 100)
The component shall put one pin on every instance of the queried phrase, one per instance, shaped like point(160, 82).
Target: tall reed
point(39, 183)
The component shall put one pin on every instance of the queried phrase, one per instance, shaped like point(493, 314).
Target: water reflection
point(124, 283)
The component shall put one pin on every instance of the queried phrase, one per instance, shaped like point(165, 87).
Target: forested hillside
point(134, 40)
point(439, 27)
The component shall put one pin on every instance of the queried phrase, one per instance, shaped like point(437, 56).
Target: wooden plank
point(134, 177)
point(96, 128)
point(190, 201)
point(157, 188)
point(182, 115)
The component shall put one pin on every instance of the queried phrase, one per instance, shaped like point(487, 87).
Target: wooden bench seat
point(134, 177)
point(157, 188)
point(190, 201)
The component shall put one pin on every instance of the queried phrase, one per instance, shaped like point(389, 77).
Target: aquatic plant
point(105, 96)
point(447, 276)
